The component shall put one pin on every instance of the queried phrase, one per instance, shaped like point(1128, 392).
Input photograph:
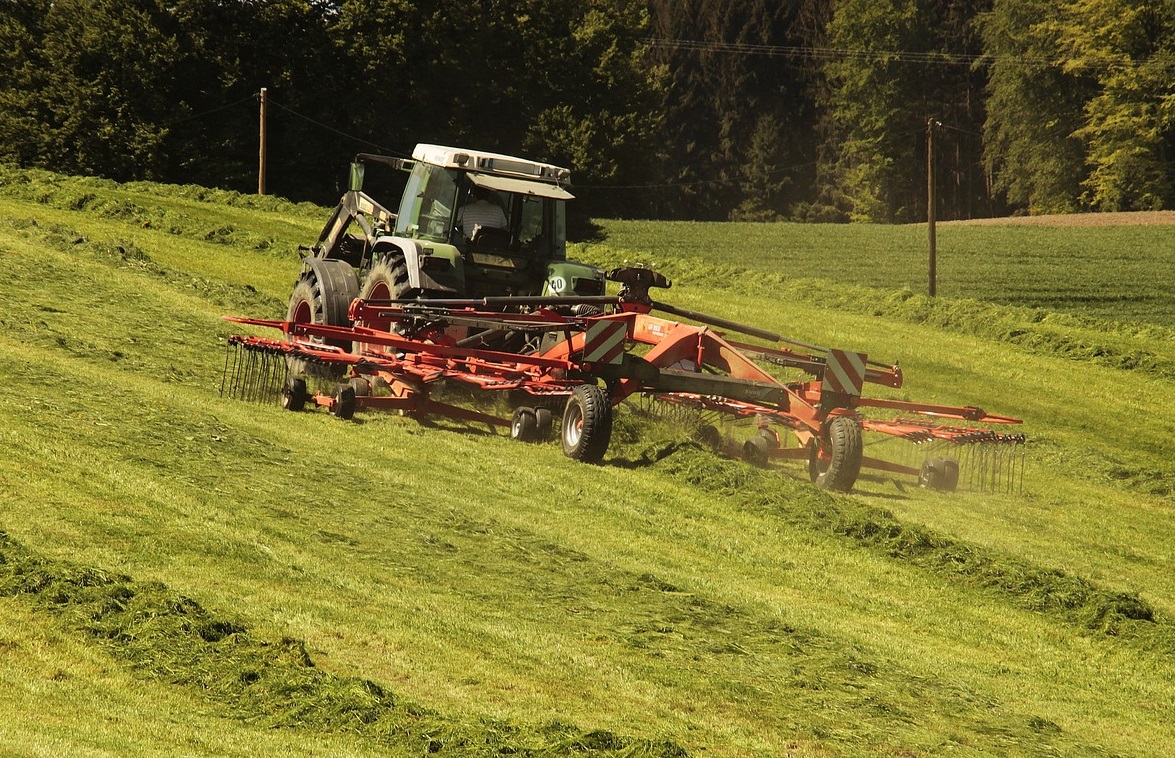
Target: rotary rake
point(566, 362)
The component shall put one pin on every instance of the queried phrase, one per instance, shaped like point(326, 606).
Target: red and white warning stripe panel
point(844, 372)
point(604, 342)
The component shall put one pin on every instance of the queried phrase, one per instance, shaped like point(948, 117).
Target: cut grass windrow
point(171, 638)
point(1073, 599)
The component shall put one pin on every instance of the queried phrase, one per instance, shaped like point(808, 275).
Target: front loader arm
point(357, 207)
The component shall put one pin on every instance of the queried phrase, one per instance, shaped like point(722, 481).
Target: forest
point(761, 110)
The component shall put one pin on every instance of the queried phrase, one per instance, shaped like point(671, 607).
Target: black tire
point(361, 386)
point(840, 465)
point(315, 301)
point(709, 436)
point(940, 474)
point(344, 406)
point(524, 425)
point(294, 394)
point(544, 422)
point(756, 451)
point(587, 424)
point(387, 279)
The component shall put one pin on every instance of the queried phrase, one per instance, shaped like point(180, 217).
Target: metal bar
point(734, 326)
point(893, 468)
point(501, 301)
point(965, 413)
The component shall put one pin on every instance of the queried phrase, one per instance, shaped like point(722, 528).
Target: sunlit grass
point(731, 611)
point(1106, 272)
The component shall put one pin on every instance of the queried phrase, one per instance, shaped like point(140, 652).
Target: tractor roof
point(491, 163)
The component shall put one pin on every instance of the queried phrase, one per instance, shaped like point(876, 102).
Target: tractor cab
point(469, 225)
point(505, 216)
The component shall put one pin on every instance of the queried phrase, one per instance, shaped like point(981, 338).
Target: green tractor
point(470, 224)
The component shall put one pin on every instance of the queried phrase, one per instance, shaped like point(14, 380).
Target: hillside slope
point(180, 572)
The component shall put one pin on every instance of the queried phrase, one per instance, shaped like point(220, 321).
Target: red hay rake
point(568, 361)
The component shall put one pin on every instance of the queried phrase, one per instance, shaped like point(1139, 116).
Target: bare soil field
point(1133, 218)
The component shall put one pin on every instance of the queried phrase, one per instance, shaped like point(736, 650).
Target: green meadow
point(186, 574)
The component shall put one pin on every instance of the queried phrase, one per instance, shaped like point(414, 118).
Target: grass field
point(186, 574)
point(1104, 272)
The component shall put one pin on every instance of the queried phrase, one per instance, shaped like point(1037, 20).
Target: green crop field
point(186, 574)
point(1099, 271)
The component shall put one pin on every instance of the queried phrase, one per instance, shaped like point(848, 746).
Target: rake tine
point(224, 373)
point(247, 380)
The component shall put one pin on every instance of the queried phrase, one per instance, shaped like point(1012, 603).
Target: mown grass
point(666, 600)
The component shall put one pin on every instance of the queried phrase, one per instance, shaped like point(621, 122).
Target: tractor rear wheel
point(587, 424)
point(835, 461)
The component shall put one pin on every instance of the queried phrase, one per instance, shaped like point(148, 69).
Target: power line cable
point(217, 109)
point(376, 145)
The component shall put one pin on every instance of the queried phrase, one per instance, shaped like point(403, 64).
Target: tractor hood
point(520, 186)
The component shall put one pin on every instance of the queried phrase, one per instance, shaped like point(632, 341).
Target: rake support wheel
point(344, 404)
point(544, 422)
point(587, 424)
point(835, 461)
point(524, 425)
point(756, 451)
point(294, 394)
point(940, 474)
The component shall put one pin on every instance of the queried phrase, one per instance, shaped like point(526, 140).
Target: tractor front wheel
point(386, 280)
point(835, 461)
point(587, 424)
point(322, 301)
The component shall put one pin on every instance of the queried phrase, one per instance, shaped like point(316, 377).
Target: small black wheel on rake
point(361, 386)
point(587, 424)
point(709, 436)
point(344, 405)
point(524, 425)
point(835, 460)
point(940, 474)
point(544, 421)
point(294, 394)
point(756, 451)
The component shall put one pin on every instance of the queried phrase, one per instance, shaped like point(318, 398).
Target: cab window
point(426, 208)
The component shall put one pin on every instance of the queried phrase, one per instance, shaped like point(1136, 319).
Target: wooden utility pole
point(931, 202)
point(261, 157)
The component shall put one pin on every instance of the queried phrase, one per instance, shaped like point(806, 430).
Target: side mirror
point(356, 183)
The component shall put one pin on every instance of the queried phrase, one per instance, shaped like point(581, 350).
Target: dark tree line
point(703, 109)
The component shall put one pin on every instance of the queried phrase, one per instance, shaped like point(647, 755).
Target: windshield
point(433, 208)
point(426, 208)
